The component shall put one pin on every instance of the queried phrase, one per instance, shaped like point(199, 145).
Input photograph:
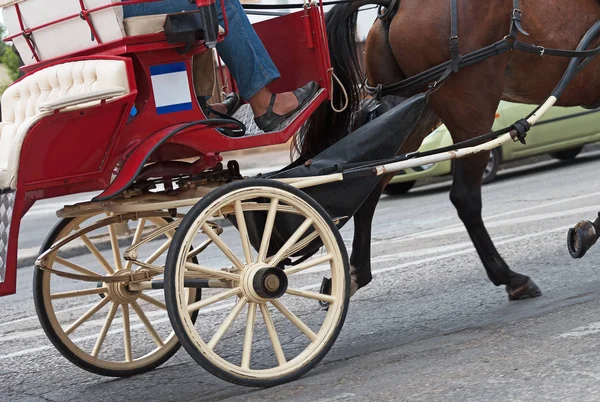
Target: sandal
point(270, 120)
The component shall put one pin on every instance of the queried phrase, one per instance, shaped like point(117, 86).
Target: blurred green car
point(562, 133)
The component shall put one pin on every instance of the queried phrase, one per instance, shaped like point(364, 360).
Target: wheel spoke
point(311, 295)
point(250, 320)
point(160, 251)
point(87, 315)
point(109, 319)
point(88, 243)
point(213, 299)
point(298, 246)
point(127, 333)
point(78, 293)
point(291, 242)
point(266, 239)
point(213, 273)
point(227, 323)
point(308, 264)
point(241, 221)
point(152, 300)
point(193, 253)
point(114, 242)
point(222, 246)
point(264, 309)
point(74, 267)
point(140, 313)
point(136, 237)
point(295, 320)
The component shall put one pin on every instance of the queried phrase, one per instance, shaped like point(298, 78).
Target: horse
point(416, 38)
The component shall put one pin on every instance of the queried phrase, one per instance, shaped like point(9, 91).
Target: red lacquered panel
point(66, 147)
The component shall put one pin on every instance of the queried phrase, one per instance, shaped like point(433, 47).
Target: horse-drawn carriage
point(111, 105)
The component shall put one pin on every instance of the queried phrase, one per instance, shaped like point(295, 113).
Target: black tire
point(40, 308)
point(567, 154)
point(172, 300)
point(491, 169)
point(399, 188)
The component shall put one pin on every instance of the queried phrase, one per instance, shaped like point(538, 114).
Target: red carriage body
point(91, 141)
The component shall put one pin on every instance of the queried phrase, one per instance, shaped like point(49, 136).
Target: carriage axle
point(188, 283)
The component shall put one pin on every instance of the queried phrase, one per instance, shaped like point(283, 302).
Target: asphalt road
point(429, 327)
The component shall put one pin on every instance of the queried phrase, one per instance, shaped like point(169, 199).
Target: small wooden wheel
point(260, 323)
point(105, 327)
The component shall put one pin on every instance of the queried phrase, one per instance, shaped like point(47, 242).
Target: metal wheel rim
point(335, 312)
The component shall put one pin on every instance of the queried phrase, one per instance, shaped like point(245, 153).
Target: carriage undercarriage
point(216, 259)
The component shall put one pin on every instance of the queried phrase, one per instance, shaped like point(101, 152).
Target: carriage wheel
point(101, 327)
point(260, 323)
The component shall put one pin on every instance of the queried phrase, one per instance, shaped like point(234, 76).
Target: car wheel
point(399, 188)
point(489, 174)
point(567, 154)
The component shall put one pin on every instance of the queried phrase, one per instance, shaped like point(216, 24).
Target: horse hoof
point(325, 290)
point(353, 287)
point(527, 291)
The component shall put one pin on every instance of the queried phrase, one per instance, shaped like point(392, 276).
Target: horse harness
point(437, 75)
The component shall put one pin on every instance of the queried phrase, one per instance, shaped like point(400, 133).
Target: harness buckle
point(516, 19)
point(453, 41)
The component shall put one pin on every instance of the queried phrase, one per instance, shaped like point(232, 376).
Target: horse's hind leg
point(360, 260)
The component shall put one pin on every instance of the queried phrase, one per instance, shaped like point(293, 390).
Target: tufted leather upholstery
point(21, 102)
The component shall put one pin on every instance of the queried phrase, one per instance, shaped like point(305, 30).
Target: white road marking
point(339, 397)
point(496, 224)
point(486, 219)
point(313, 286)
point(589, 329)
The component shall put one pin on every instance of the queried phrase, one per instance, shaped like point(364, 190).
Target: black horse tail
point(325, 126)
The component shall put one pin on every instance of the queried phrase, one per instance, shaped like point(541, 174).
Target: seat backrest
point(22, 102)
point(65, 37)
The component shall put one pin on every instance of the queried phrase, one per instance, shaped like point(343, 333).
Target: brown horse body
point(415, 40)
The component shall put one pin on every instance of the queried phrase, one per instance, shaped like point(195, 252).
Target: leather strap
point(453, 40)
point(516, 20)
point(389, 12)
point(271, 103)
point(526, 47)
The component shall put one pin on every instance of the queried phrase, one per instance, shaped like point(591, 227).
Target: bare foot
point(219, 107)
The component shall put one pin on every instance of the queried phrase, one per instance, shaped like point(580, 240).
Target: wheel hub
point(119, 292)
point(261, 282)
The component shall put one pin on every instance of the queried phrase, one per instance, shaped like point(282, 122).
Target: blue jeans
point(242, 51)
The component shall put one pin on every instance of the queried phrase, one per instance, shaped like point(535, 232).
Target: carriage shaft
point(394, 167)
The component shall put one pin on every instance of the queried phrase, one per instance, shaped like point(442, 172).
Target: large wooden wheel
point(105, 327)
point(259, 323)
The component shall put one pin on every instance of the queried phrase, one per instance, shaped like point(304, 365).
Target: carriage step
point(582, 237)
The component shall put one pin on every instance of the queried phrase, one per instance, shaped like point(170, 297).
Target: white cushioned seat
point(144, 24)
point(67, 86)
point(147, 24)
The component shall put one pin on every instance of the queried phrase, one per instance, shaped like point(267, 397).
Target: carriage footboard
point(7, 204)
